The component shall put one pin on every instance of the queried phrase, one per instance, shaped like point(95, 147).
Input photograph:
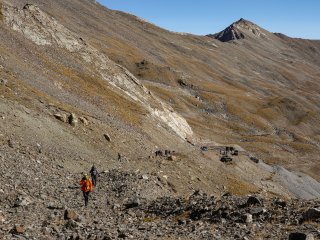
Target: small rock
point(182, 222)
point(280, 203)
point(257, 211)
point(70, 214)
point(17, 229)
point(22, 201)
point(116, 206)
point(70, 224)
point(122, 235)
point(254, 159)
point(52, 205)
point(300, 236)
point(253, 201)
point(11, 143)
point(310, 237)
point(248, 218)
point(312, 214)
point(84, 121)
point(79, 237)
point(2, 219)
point(73, 120)
point(61, 117)
point(3, 81)
point(144, 177)
point(107, 137)
point(172, 158)
point(45, 231)
point(132, 203)
point(55, 228)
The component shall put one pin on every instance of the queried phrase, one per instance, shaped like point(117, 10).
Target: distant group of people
point(88, 183)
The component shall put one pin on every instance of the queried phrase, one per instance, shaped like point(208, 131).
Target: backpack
point(94, 171)
point(88, 185)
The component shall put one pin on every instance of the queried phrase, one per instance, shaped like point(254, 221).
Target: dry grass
point(303, 147)
point(149, 219)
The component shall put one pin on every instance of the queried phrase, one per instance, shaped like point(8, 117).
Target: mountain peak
point(246, 24)
point(242, 20)
point(239, 30)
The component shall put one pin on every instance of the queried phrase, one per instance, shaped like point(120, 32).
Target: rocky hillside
point(83, 84)
point(41, 200)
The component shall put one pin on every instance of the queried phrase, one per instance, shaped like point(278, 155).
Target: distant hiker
point(94, 174)
point(119, 157)
point(86, 188)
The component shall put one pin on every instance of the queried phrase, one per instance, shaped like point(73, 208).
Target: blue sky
point(295, 18)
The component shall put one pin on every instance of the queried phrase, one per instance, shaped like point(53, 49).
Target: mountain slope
point(81, 84)
point(78, 56)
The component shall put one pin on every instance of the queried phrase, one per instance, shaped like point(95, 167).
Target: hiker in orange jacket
point(86, 188)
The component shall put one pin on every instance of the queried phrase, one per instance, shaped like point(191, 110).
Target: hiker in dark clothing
point(94, 174)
